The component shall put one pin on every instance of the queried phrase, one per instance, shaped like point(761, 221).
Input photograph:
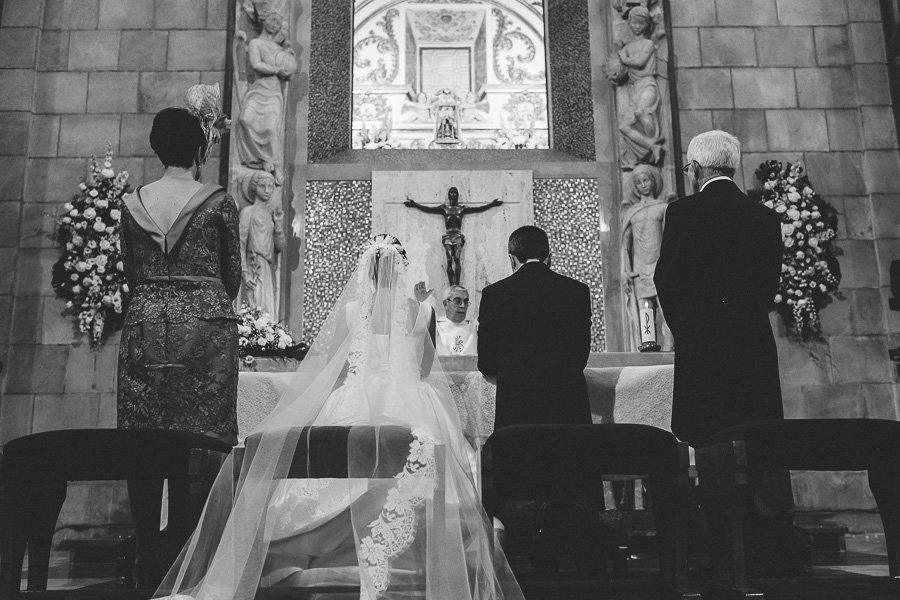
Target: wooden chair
point(725, 466)
point(547, 463)
point(36, 470)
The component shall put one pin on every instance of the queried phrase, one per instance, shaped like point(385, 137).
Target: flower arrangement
point(89, 275)
point(809, 270)
point(261, 336)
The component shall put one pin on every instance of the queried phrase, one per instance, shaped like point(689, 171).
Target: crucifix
point(453, 239)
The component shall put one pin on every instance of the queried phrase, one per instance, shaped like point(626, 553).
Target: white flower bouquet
point(261, 336)
point(809, 270)
point(89, 275)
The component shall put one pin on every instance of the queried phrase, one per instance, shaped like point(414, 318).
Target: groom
point(534, 332)
point(534, 338)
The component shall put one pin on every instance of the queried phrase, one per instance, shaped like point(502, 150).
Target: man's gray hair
point(716, 150)
point(452, 289)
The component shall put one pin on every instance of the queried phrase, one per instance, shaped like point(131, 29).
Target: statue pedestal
point(484, 258)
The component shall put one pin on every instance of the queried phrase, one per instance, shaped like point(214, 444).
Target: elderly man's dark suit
point(534, 336)
point(716, 278)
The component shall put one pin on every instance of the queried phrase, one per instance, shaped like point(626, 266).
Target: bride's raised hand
point(421, 292)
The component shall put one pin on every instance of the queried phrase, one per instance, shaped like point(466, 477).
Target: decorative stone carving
point(633, 69)
point(517, 129)
point(265, 64)
point(445, 25)
point(380, 48)
point(643, 218)
point(372, 111)
point(446, 117)
point(262, 241)
point(474, 110)
point(418, 111)
point(513, 51)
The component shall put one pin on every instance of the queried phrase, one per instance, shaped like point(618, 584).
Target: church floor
point(840, 575)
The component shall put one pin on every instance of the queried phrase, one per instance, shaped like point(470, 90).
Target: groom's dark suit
point(534, 336)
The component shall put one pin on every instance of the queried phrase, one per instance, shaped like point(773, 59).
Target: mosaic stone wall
point(330, 87)
point(569, 211)
point(569, 59)
point(338, 222)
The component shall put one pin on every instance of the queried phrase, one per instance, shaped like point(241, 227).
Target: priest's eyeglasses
point(459, 301)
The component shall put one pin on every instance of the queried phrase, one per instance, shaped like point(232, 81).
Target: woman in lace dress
point(406, 520)
point(178, 358)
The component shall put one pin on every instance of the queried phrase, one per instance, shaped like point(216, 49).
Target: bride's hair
point(377, 248)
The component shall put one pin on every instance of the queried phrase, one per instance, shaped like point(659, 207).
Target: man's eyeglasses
point(459, 301)
point(686, 168)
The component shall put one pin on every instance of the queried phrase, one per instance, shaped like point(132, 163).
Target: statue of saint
point(260, 133)
point(634, 68)
point(262, 237)
point(453, 239)
point(446, 114)
point(643, 219)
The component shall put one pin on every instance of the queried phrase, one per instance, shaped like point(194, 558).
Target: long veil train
point(406, 521)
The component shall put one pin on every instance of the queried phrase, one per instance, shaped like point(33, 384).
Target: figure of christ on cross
point(453, 239)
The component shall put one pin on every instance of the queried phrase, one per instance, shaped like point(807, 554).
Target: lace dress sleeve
point(230, 247)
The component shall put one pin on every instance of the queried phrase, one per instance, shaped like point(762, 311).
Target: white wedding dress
point(406, 521)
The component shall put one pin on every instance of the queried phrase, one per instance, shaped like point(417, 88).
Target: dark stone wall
point(330, 78)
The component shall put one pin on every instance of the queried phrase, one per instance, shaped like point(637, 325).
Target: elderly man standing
point(718, 271)
point(456, 335)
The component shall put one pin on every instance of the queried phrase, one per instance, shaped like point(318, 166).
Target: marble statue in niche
point(267, 63)
point(633, 68)
point(446, 115)
point(453, 240)
point(262, 240)
point(643, 217)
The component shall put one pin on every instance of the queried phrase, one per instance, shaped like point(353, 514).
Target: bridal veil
point(402, 519)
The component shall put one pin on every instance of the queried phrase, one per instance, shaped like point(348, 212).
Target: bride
point(402, 518)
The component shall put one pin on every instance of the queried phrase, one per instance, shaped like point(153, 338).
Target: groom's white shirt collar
point(716, 178)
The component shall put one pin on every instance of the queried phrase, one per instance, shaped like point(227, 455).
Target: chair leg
point(45, 500)
point(885, 486)
point(12, 546)
point(145, 499)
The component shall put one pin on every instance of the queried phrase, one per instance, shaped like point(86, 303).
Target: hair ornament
point(204, 102)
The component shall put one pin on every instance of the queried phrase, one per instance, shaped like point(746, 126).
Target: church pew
point(550, 462)
point(36, 470)
point(726, 464)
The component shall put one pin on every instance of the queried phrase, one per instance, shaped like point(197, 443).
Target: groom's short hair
point(529, 242)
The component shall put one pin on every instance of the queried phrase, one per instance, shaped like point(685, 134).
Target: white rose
point(794, 214)
point(269, 337)
point(68, 206)
point(101, 260)
point(74, 277)
point(778, 298)
point(260, 322)
point(108, 173)
point(815, 214)
point(73, 213)
point(67, 220)
point(101, 269)
point(793, 196)
point(76, 289)
point(788, 242)
point(99, 226)
point(82, 186)
point(120, 266)
point(110, 229)
point(281, 345)
point(823, 287)
point(90, 213)
point(116, 214)
point(787, 229)
point(805, 214)
point(70, 246)
point(813, 241)
point(81, 266)
point(125, 287)
point(102, 203)
point(93, 193)
point(780, 208)
point(261, 341)
point(91, 244)
point(243, 329)
point(105, 245)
